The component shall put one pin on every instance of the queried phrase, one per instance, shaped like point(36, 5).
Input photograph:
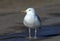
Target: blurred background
point(11, 18)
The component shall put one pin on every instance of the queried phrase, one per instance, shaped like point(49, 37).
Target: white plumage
point(31, 20)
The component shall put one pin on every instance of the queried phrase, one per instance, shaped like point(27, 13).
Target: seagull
point(31, 20)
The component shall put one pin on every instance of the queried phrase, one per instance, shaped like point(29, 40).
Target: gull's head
point(29, 11)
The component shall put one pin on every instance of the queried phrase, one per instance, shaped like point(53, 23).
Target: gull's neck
point(31, 13)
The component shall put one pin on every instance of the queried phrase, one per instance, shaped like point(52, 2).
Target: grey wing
point(39, 20)
point(38, 17)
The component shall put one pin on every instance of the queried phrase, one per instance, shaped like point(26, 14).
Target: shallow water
point(44, 32)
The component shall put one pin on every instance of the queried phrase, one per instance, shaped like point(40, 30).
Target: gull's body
point(31, 20)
